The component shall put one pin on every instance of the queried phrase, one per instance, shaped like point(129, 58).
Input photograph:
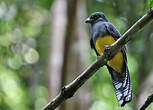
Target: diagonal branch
point(69, 90)
point(147, 102)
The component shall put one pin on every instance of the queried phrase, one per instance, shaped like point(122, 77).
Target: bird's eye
point(95, 17)
point(99, 16)
point(92, 17)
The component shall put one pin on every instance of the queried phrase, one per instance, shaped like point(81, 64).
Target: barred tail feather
point(122, 86)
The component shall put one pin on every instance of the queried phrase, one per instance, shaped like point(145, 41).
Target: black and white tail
point(122, 85)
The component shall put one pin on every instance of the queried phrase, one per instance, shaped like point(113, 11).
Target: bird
point(104, 33)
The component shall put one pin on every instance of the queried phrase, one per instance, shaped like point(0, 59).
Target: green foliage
point(15, 62)
point(32, 56)
point(23, 25)
point(150, 3)
point(12, 93)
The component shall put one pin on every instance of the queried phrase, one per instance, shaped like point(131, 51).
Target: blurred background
point(44, 44)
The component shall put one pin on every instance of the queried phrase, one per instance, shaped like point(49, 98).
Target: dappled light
point(45, 45)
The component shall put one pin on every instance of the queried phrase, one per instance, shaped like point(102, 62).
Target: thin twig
point(69, 90)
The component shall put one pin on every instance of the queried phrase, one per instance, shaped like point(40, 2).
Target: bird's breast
point(117, 61)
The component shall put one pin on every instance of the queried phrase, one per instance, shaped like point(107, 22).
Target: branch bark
point(147, 102)
point(69, 90)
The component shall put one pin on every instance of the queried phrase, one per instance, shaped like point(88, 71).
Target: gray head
point(95, 17)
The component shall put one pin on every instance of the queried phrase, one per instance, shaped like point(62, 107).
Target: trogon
point(104, 33)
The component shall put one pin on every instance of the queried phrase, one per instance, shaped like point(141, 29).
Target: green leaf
point(31, 56)
point(150, 3)
point(15, 62)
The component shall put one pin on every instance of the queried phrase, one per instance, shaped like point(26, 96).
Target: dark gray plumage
point(100, 27)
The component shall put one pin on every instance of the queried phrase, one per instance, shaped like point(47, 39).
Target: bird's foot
point(107, 51)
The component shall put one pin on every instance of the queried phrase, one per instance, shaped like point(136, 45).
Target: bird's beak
point(87, 20)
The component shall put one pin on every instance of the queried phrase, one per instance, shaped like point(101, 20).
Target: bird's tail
point(122, 86)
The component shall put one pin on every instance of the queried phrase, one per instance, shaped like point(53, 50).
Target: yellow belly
point(117, 61)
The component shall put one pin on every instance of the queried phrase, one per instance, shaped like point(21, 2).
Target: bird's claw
point(107, 51)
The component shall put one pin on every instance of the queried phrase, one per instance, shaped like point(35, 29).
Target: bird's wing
point(116, 35)
point(112, 30)
point(91, 43)
point(93, 46)
point(121, 82)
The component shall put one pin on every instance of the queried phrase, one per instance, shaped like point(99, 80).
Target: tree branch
point(69, 90)
point(147, 102)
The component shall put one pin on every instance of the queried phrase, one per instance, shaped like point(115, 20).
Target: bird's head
point(95, 17)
